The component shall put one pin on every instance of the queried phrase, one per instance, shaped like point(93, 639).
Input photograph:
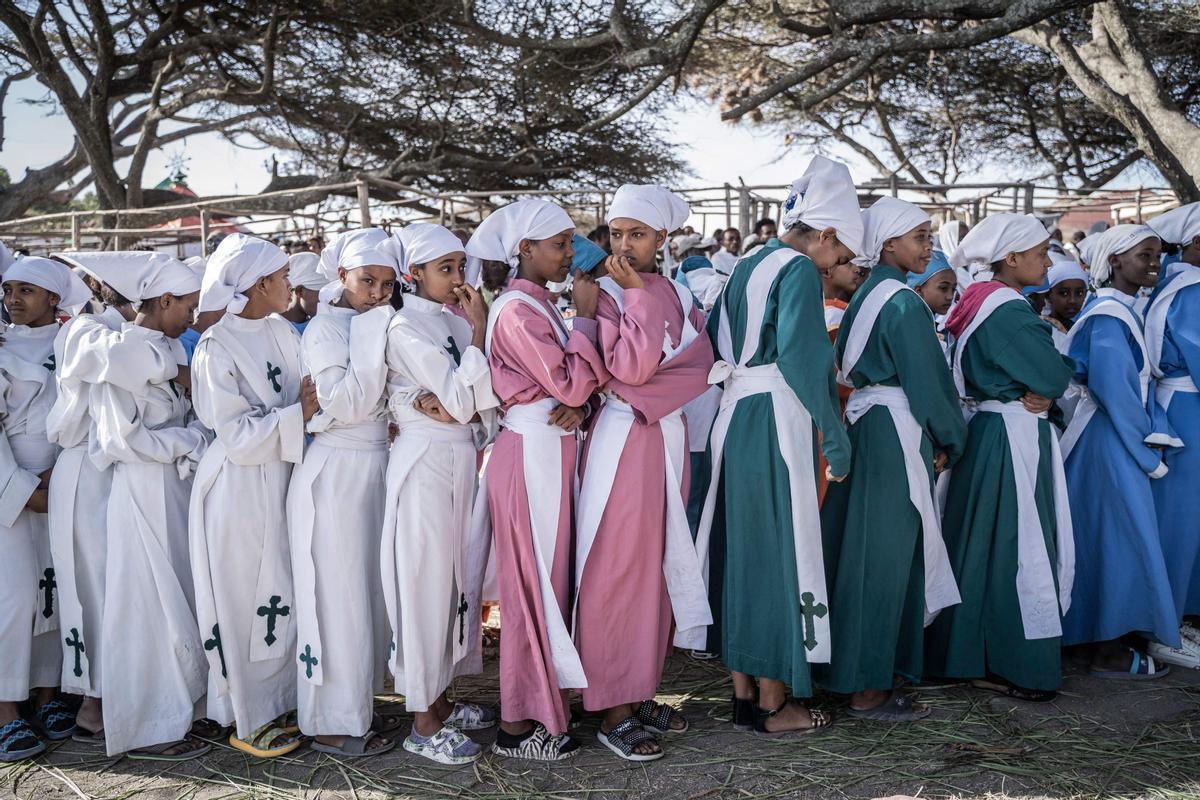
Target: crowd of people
point(844, 455)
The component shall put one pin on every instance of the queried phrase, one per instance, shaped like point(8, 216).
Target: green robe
point(762, 627)
point(871, 530)
point(1011, 353)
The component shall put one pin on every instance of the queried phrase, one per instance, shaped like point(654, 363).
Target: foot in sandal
point(789, 717)
point(660, 718)
point(180, 750)
point(895, 707)
point(365, 746)
point(266, 741)
point(19, 741)
point(630, 741)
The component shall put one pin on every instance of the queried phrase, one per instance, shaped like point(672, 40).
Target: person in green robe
point(1006, 504)
point(884, 555)
point(761, 520)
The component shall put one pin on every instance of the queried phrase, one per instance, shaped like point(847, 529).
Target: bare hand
point(831, 478)
point(309, 403)
point(430, 406)
point(569, 418)
point(393, 432)
point(621, 271)
point(44, 478)
point(39, 501)
point(472, 303)
point(184, 377)
point(940, 461)
point(586, 294)
point(1035, 403)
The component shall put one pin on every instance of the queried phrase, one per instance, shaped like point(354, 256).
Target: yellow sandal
point(264, 735)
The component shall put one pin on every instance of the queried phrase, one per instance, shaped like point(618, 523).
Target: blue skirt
point(1177, 498)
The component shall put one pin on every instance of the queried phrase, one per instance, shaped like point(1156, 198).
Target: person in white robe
point(141, 430)
point(435, 362)
point(248, 388)
point(335, 503)
point(30, 653)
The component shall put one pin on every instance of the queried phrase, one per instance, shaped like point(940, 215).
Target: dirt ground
point(1099, 739)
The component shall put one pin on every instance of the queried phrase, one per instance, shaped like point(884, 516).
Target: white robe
point(431, 483)
point(155, 665)
point(241, 564)
point(30, 655)
point(335, 518)
point(79, 489)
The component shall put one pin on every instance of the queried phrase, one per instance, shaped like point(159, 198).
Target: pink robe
point(528, 363)
point(624, 620)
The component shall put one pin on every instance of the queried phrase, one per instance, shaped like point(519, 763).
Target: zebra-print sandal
point(536, 745)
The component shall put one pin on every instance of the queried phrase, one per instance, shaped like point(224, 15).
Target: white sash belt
point(365, 436)
point(681, 566)
point(1040, 603)
point(941, 590)
point(1166, 388)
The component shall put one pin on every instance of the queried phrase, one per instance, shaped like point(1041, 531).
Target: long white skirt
point(335, 512)
point(78, 542)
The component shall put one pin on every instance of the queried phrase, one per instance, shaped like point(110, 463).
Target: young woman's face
point(28, 304)
point(1028, 268)
point(174, 314)
point(307, 299)
point(1190, 253)
point(912, 251)
point(276, 290)
point(637, 241)
point(438, 279)
point(825, 250)
point(1139, 266)
point(364, 288)
point(938, 291)
point(548, 259)
point(843, 279)
point(1067, 298)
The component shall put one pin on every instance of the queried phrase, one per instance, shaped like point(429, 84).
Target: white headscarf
point(1179, 225)
point(363, 247)
point(304, 270)
point(656, 206)
point(6, 258)
point(1112, 242)
point(236, 265)
point(825, 197)
point(499, 236)
point(1067, 270)
point(997, 236)
point(888, 218)
point(196, 264)
point(138, 275)
point(53, 276)
point(949, 235)
point(423, 242)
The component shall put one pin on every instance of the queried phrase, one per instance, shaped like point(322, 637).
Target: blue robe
point(1121, 581)
point(1177, 495)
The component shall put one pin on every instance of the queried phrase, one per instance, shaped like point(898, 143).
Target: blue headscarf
point(691, 264)
point(587, 254)
point(938, 263)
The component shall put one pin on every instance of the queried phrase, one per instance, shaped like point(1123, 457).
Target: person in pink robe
point(624, 612)
point(530, 364)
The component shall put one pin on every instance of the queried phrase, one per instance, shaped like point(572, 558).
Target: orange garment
point(843, 391)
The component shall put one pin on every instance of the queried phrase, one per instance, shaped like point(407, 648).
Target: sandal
point(898, 707)
point(386, 723)
point(19, 741)
point(447, 746)
point(84, 736)
point(471, 717)
point(625, 736)
point(262, 740)
point(210, 729)
point(56, 720)
point(1014, 692)
point(743, 713)
point(1142, 667)
point(289, 721)
point(818, 720)
point(355, 746)
point(657, 717)
point(537, 744)
point(159, 752)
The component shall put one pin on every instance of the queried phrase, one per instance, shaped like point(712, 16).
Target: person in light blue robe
point(1121, 585)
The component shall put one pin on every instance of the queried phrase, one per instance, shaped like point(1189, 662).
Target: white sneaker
point(1190, 633)
point(1179, 656)
point(471, 717)
point(447, 746)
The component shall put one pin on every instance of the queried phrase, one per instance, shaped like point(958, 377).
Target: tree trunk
point(1113, 72)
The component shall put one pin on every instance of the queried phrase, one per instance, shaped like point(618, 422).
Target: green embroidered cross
point(452, 348)
point(809, 609)
point(272, 373)
point(462, 615)
point(391, 647)
point(271, 612)
point(309, 660)
point(75, 643)
point(50, 362)
point(48, 585)
point(215, 644)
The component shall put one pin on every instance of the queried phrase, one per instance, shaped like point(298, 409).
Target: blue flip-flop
point(19, 741)
point(56, 720)
point(1142, 667)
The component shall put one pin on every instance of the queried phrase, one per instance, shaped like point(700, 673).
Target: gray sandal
point(897, 707)
point(354, 746)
